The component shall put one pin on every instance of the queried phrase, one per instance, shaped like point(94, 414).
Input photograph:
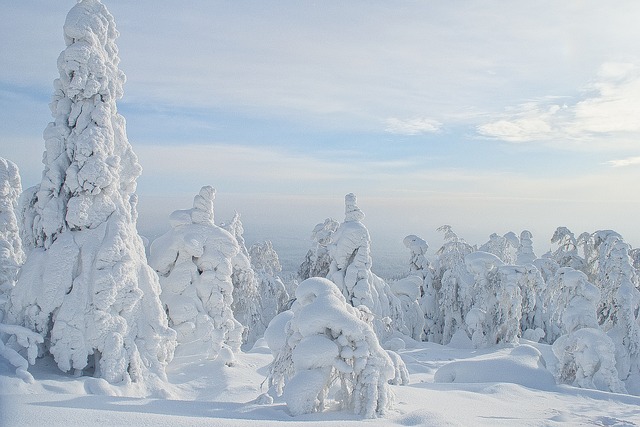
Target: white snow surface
point(493, 387)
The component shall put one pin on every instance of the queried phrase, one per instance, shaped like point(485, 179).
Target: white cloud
point(609, 106)
point(629, 161)
point(413, 126)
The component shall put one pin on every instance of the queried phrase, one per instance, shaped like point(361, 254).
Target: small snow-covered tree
point(586, 355)
point(86, 285)
point(193, 260)
point(497, 309)
point(408, 292)
point(11, 254)
point(524, 253)
point(351, 271)
point(455, 283)
point(266, 265)
point(501, 246)
point(566, 255)
point(327, 343)
point(247, 306)
point(318, 261)
point(429, 294)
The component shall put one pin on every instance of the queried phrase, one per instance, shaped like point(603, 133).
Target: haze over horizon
point(487, 116)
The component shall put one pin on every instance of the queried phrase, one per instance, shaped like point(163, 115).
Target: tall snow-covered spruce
point(86, 285)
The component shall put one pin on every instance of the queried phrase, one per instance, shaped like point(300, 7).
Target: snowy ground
point(502, 386)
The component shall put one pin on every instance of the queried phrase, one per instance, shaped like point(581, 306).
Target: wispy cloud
point(414, 126)
point(609, 106)
point(629, 161)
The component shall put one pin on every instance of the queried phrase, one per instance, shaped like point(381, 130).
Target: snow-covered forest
point(195, 326)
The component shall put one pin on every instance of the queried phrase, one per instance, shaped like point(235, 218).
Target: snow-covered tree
point(408, 292)
point(273, 293)
point(455, 283)
point(193, 260)
point(429, 296)
point(246, 306)
point(11, 254)
point(566, 255)
point(497, 308)
point(317, 261)
point(86, 285)
point(586, 355)
point(524, 253)
point(327, 343)
point(502, 246)
point(618, 311)
point(351, 271)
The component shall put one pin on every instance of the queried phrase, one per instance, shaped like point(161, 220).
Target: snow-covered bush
point(11, 254)
point(328, 344)
point(247, 306)
point(351, 271)
point(86, 285)
point(317, 261)
point(193, 260)
point(273, 294)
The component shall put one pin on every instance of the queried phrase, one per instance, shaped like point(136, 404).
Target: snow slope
point(501, 386)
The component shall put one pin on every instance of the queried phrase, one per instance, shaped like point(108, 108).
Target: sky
point(489, 116)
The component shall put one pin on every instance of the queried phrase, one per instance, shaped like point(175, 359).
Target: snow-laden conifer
point(429, 299)
point(86, 285)
point(11, 254)
point(351, 271)
point(455, 283)
point(247, 306)
point(586, 355)
point(328, 343)
point(273, 293)
point(317, 260)
point(524, 253)
point(193, 260)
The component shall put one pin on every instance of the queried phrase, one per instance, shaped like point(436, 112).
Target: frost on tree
point(247, 307)
point(586, 355)
point(351, 271)
point(11, 254)
point(193, 260)
point(318, 261)
point(408, 292)
point(86, 285)
point(273, 294)
point(326, 344)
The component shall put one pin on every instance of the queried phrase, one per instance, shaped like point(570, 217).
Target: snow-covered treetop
point(351, 210)
point(201, 213)
point(265, 258)
point(90, 170)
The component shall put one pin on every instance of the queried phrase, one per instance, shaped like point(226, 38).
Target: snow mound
point(523, 365)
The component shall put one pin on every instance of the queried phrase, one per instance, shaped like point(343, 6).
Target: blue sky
point(490, 116)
